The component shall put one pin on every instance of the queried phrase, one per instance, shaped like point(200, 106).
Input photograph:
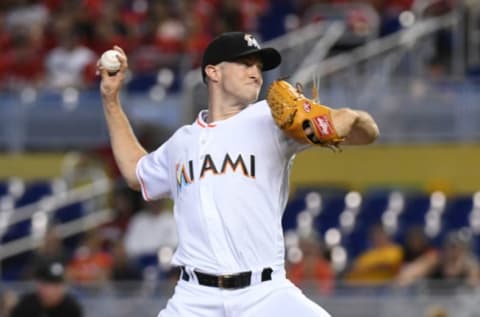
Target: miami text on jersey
point(186, 173)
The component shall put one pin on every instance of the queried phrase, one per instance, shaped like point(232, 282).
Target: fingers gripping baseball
point(112, 81)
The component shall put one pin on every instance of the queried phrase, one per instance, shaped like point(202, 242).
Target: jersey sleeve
point(152, 174)
point(287, 145)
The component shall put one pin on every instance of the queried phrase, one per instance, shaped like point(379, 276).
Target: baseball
point(109, 61)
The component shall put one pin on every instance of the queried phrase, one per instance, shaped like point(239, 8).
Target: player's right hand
point(111, 83)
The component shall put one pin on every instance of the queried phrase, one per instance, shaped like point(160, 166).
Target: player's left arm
point(356, 126)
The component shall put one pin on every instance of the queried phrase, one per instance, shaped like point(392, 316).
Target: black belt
point(231, 281)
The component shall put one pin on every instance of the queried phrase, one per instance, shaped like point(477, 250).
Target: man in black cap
point(50, 298)
point(228, 175)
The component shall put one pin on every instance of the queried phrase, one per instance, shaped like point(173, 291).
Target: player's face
point(242, 79)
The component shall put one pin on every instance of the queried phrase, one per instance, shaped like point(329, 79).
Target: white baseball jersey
point(229, 182)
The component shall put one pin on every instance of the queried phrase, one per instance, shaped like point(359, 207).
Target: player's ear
point(212, 72)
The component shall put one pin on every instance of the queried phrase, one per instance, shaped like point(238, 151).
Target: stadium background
point(413, 64)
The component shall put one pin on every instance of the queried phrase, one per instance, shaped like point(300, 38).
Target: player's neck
point(223, 108)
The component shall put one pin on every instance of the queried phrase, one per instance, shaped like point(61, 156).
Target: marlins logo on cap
point(251, 41)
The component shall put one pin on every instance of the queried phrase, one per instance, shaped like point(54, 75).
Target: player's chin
point(253, 97)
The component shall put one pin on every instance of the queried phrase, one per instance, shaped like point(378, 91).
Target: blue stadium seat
point(374, 204)
point(416, 207)
point(457, 212)
point(16, 231)
point(333, 206)
point(146, 260)
point(3, 188)
point(332, 200)
point(356, 241)
point(14, 268)
point(293, 208)
point(69, 212)
point(34, 192)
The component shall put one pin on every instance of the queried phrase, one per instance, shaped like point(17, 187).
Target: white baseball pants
point(278, 297)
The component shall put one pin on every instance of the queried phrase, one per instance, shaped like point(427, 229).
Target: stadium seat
point(356, 241)
point(457, 212)
point(14, 268)
point(146, 260)
point(333, 206)
point(34, 192)
point(69, 212)
point(16, 231)
point(373, 206)
point(3, 188)
point(293, 208)
point(416, 207)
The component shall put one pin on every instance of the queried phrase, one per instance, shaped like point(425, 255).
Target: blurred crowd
point(56, 43)
point(388, 263)
point(138, 245)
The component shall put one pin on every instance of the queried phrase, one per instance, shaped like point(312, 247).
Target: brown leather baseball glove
point(302, 118)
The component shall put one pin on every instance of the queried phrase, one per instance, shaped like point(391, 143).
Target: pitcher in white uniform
point(227, 173)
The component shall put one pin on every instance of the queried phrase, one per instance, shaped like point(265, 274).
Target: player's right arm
point(125, 146)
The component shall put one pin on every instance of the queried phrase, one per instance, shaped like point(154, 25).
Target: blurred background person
point(416, 244)
point(123, 208)
point(313, 269)
point(151, 228)
point(418, 257)
point(51, 250)
point(50, 298)
point(8, 300)
point(70, 64)
point(124, 268)
point(90, 263)
point(436, 311)
point(457, 266)
point(379, 264)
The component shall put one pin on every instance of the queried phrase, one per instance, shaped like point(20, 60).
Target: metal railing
point(64, 230)
point(392, 78)
point(397, 43)
point(42, 210)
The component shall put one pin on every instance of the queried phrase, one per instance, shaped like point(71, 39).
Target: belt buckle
point(221, 279)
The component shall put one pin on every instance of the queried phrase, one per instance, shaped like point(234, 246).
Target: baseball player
point(227, 173)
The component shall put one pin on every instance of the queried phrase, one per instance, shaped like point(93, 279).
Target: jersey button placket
point(211, 215)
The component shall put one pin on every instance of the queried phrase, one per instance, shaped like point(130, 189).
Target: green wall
point(31, 166)
point(447, 167)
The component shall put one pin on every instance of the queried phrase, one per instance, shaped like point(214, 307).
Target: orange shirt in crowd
point(88, 268)
point(318, 271)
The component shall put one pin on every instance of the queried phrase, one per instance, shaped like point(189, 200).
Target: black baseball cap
point(50, 271)
point(232, 45)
